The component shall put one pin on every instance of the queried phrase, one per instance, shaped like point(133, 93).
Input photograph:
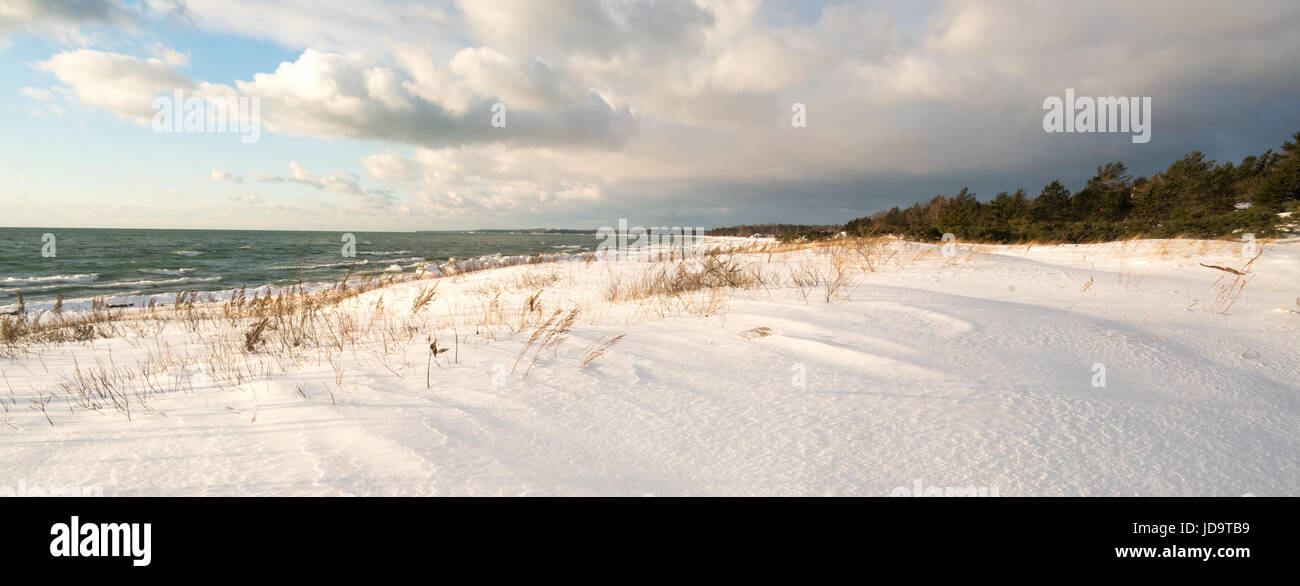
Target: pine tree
point(1052, 204)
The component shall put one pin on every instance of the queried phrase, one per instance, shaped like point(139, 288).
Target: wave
point(50, 280)
point(134, 291)
point(156, 283)
point(51, 286)
point(383, 252)
point(186, 252)
point(167, 272)
point(319, 266)
point(30, 290)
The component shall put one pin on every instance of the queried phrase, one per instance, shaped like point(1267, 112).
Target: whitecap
point(50, 280)
point(167, 272)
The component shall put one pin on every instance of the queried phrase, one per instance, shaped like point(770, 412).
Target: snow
point(975, 370)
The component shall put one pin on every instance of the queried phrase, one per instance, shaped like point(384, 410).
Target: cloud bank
point(625, 106)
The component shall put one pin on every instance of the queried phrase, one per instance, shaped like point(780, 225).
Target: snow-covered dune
point(1114, 369)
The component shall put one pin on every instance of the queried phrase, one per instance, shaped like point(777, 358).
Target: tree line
point(1193, 197)
point(770, 229)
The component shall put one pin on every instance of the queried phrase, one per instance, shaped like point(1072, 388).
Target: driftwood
point(1224, 269)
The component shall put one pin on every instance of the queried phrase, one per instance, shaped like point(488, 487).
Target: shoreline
point(8, 303)
point(410, 271)
point(843, 368)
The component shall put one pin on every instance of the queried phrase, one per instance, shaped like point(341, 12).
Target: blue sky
point(376, 114)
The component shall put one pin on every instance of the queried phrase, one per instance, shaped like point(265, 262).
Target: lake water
point(131, 264)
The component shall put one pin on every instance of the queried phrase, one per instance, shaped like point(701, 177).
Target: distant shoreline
point(472, 231)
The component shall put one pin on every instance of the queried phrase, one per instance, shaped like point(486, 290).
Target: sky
point(378, 114)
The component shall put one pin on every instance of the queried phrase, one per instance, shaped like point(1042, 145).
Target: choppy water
point(128, 264)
